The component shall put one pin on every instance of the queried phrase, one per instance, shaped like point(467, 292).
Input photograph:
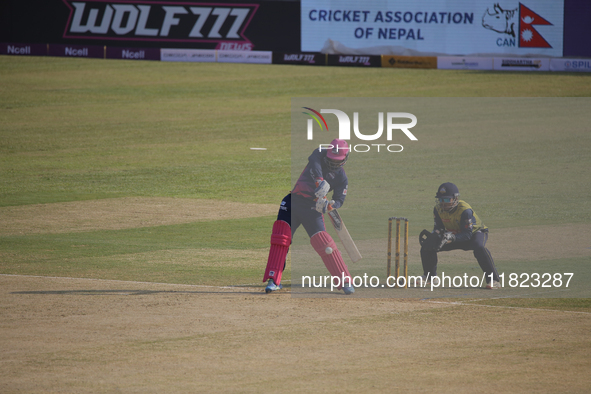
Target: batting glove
point(322, 189)
point(323, 205)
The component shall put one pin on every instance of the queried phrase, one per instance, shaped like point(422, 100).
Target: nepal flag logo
point(528, 35)
point(505, 21)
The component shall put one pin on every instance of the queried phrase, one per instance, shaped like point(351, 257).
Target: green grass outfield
point(81, 129)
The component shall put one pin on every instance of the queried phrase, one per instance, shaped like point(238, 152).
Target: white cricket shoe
point(425, 281)
point(494, 285)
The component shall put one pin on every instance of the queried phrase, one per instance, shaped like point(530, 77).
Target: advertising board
point(309, 59)
point(20, 49)
point(464, 63)
point(409, 61)
point(132, 53)
point(187, 55)
point(92, 51)
point(437, 27)
point(354, 61)
point(223, 25)
point(521, 64)
point(579, 65)
point(260, 57)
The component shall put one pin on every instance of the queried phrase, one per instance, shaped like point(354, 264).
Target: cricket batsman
point(456, 227)
point(306, 205)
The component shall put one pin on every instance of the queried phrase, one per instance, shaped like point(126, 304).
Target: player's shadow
point(256, 290)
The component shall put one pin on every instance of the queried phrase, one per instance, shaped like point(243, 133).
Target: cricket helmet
point(337, 156)
point(447, 196)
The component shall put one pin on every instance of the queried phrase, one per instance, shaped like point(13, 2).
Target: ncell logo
point(345, 128)
point(159, 21)
point(521, 18)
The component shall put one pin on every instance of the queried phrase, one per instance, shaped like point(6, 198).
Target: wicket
point(397, 255)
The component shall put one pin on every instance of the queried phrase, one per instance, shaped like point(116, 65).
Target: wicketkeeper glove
point(447, 238)
point(435, 241)
point(429, 240)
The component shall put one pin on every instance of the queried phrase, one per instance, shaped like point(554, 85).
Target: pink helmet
point(338, 155)
point(339, 151)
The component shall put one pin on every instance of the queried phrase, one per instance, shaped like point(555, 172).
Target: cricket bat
point(345, 237)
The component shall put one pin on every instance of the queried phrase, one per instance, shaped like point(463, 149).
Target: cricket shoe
point(494, 285)
point(349, 290)
point(425, 281)
point(271, 286)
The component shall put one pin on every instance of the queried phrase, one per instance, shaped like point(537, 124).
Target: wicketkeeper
point(456, 227)
point(305, 205)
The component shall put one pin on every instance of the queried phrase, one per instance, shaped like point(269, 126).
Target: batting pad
point(333, 261)
point(280, 241)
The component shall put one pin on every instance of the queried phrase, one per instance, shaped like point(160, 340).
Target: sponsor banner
point(187, 55)
point(261, 57)
point(23, 49)
point(133, 53)
point(223, 24)
point(436, 27)
point(93, 51)
point(464, 63)
point(409, 61)
point(581, 65)
point(192, 24)
point(312, 59)
point(521, 64)
point(159, 21)
point(354, 60)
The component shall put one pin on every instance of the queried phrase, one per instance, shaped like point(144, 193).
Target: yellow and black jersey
point(462, 221)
